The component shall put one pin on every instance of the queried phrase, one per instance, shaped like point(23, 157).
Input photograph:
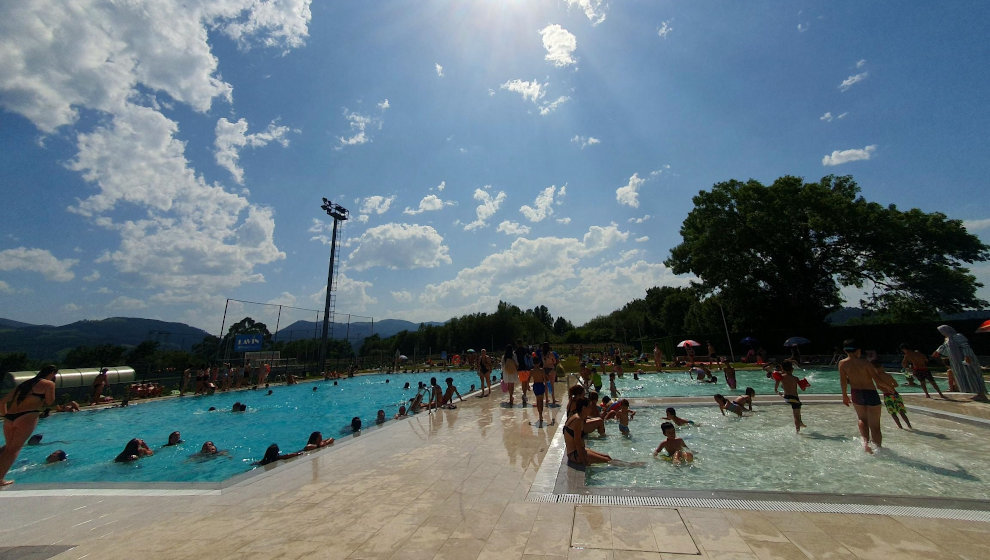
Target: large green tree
point(782, 253)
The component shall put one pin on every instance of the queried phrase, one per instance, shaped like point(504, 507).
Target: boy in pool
point(790, 392)
point(623, 415)
point(612, 389)
point(672, 416)
point(737, 405)
point(596, 380)
point(892, 400)
point(448, 395)
point(676, 448)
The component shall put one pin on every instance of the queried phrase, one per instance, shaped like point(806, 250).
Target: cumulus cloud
point(595, 10)
point(565, 220)
point(430, 202)
point(643, 239)
point(441, 186)
point(560, 45)
point(398, 247)
point(585, 141)
point(547, 108)
point(38, 260)
point(640, 220)
point(354, 292)
point(125, 62)
point(975, 225)
point(232, 136)
point(530, 91)
point(487, 208)
point(512, 228)
point(664, 29)
point(853, 80)
point(629, 193)
point(122, 303)
point(5, 288)
point(543, 205)
point(861, 63)
point(439, 69)
point(839, 157)
point(92, 277)
point(376, 204)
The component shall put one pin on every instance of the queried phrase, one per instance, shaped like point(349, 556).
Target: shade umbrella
point(749, 341)
point(796, 341)
point(687, 342)
point(470, 350)
point(403, 357)
point(985, 327)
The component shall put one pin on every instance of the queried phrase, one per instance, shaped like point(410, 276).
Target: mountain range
point(41, 342)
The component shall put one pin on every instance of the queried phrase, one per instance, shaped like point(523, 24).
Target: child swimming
point(676, 448)
point(623, 415)
point(672, 416)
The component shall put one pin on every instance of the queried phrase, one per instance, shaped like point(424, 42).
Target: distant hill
point(49, 342)
point(355, 332)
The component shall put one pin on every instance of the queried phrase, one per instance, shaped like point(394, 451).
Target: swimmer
point(316, 441)
point(56, 457)
point(272, 455)
point(380, 417)
point(622, 414)
point(35, 439)
point(401, 414)
point(726, 405)
point(672, 416)
point(134, 450)
point(676, 448)
point(173, 439)
point(406, 386)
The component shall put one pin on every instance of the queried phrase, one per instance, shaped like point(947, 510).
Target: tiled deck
point(448, 485)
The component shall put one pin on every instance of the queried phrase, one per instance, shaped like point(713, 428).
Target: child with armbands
point(677, 450)
point(892, 400)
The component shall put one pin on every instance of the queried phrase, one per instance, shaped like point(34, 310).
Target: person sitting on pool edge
point(577, 453)
point(676, 449)
point(272, 455)
point(134, 450)
point(316, 441)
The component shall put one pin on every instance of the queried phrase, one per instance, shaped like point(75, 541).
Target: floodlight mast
point(339, 214)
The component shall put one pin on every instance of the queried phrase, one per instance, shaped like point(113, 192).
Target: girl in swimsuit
point(20, 415)
point(573, 429)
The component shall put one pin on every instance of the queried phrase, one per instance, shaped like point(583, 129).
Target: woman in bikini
point(21, 411)
point(577, 453)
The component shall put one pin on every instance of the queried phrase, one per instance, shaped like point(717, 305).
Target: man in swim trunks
point(856, 372)
point(539, 378)
point(790, 392)
point(918, 363)
point(524, 361)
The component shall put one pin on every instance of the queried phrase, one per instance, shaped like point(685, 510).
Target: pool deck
point(455, 484)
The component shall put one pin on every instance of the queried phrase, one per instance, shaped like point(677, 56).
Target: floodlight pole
point(732, 356)
point(339, 214)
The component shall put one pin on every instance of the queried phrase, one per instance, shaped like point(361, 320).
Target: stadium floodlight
point(339, 214)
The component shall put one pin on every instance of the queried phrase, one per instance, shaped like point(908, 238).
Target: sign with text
point(248, 342)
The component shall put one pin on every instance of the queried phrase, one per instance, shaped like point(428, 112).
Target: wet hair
point(35, 439)
point(750, 391)
point(624, 402)
point(177, 438)
point(449, 380)
point(356, 424)
point(130, 450)
point(575, 391)
point(211, 408)
point(433, 381)
point(271, 455)
point(315, 438)
point(59, 455)
point(22, 390)
point(204, 449)
point(670, 411)
point(665, 426)
point(242, 408)
point(718, 397)
point(580, 403)
point(402, 409)
point(236, 407)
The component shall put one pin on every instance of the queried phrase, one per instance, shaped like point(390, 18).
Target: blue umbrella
point(749, 341)
point(796, 341)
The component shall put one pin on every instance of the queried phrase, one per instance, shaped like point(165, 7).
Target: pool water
point(939, 458)
point(674, 384)
point(92, 438)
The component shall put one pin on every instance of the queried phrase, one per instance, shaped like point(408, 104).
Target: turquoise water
point(939, 458)
point(93, 438)
point(675, 384)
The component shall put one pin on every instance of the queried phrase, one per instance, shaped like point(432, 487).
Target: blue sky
point(159, 158)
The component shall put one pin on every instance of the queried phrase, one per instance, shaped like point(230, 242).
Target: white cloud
point(38, 260)
point(643, 239)
point(547, 108)
point(402, 296)
point(398, 247)
point(5, 288)
point(629, 194)
point(852, 80)
point(488, 207)
point(827, 117)
point(530, 91)
point(93, 276)
point(861, 63)
point(442, 186)
point(439, 70)
point(512, 228)
point(560, 45)
point(285, 298)
point(585, 141)
point(347, 289)
point(839, 157)
point(564, 221)
point(544, 205)
point(376, 204)
point(644, 218)
point(802, 27)
point(595, 10)
point(975, 225)
point(384, 105)
point(430, 202)
point(232, 136)
point(664, 29)
point(71, 308)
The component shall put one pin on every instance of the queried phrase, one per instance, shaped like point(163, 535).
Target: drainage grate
point(764, 505)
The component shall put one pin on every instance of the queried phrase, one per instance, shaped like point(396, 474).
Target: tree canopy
point(782, 253)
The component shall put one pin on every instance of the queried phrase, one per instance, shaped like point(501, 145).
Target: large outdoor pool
point(938, 458)
point(680, 383)
point(93, 438)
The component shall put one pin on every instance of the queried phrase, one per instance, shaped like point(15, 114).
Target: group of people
point(533, 368)
point(224, 378)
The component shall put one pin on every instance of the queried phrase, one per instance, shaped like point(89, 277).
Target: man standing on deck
point(857, 372)
point(658, 357)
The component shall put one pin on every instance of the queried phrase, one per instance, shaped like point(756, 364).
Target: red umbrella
point(985, 327)
point(687, 342)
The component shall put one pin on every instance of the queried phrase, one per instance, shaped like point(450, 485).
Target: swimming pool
point(92, 438)
point(681, 384)
point(940, 458)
